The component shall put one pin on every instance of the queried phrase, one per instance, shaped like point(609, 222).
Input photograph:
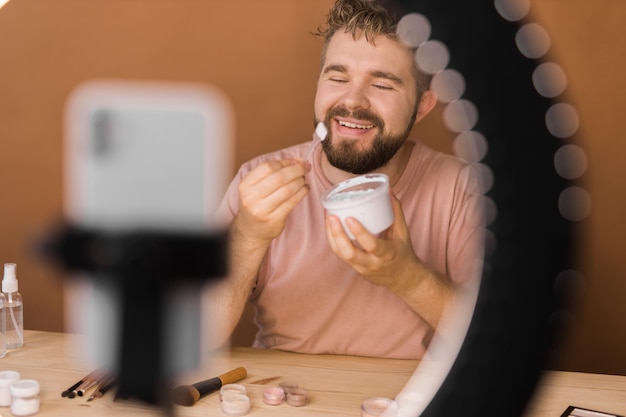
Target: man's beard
point(347, 157)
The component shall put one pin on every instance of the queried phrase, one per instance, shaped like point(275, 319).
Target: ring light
point(506, 100)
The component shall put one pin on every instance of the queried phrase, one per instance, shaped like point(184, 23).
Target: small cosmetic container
point(6, 379)
point(230, 389)
point(234, 404)
point(273, 396)
point(297, 397)
point(379, 406)
point(25, 397)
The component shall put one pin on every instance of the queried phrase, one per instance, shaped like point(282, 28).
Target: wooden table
point(337, 384)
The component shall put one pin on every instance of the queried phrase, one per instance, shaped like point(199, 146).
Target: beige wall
point(589, 41)
point(261, 54)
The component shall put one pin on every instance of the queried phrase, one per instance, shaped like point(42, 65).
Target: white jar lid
point(25, 388)
point(7, 378)
point(230, 389)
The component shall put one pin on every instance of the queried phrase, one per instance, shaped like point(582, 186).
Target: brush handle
point(213, 384)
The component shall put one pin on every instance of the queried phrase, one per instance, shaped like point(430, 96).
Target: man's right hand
point(267, 194)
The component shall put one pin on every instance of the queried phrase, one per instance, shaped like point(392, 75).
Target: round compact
point(273, 396)
point(297, 397)
point(379, 406)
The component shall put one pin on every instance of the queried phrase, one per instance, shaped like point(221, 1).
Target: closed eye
point(383, 87)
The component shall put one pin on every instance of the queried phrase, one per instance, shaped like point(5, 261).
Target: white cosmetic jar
point(365, 198)
point(235, 404)
point(25, 397)
point(6, 379)
point(230, 389)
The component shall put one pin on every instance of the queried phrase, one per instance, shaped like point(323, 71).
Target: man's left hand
point(381, 260)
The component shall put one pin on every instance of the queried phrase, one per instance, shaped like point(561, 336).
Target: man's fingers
point(271, 184)
point(275, 171)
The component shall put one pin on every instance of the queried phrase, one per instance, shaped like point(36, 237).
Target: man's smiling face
point(366, 95)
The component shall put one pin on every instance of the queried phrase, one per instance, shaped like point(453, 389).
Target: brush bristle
point(186, 395)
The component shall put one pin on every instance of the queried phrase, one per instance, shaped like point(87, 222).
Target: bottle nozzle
point(9, 281)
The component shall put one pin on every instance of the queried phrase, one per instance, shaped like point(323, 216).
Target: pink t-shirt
point(308, 300)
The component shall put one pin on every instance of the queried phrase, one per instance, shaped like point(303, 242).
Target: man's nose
point(356, 97)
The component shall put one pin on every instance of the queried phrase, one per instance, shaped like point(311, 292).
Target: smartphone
point(148, 156)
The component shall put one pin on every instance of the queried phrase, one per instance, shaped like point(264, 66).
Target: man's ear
point(427, 103)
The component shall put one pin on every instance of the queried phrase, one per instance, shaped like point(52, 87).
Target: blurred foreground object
point(146, 164)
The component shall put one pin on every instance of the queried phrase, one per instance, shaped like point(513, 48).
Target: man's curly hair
point(358, 17)
point(367, 18)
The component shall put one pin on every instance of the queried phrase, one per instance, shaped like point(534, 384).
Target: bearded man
point(312, 287)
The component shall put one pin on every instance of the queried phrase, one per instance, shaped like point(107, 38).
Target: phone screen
point(146, 155)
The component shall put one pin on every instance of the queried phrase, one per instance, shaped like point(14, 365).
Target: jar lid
point(7, 378)
point(230, 389)
point(25, 388)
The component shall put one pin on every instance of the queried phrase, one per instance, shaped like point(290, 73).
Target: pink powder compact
point(365, 198)
point(379, 406)
point(273, 396)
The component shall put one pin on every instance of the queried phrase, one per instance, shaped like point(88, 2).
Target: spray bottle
point(3, 327)
point(14, 308)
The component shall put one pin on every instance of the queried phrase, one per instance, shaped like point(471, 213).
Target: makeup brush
point(188, 395)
